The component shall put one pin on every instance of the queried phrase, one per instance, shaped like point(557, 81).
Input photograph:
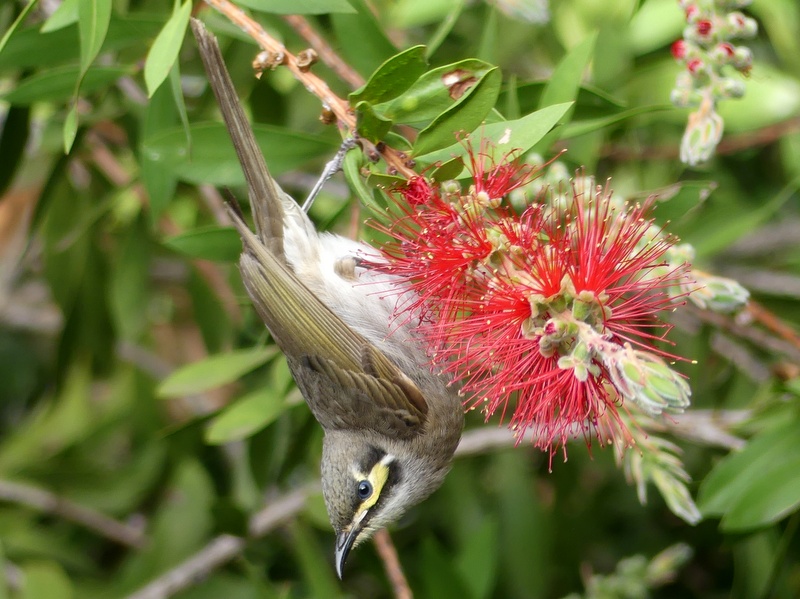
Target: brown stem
point(222, 549)
point(50, 503)
point(326, 53)
point(395, 161)
point(730, 144)
point(388, 555)
point(771, 322)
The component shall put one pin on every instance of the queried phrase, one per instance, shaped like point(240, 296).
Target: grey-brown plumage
point(391, 426)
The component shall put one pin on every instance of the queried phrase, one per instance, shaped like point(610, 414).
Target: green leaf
point(58, 84)
point(435, 92)
point(440, 577)
point(445, 26)
point(466, 115)
point(733, 477)
point(31, 48)
point(773, 494)
point(213, 159)
point(164, 51)
point(299, 7)
point(361, 38)
point(370, 125)
point(352, 172)
point(45, 580)
point(449, 170)
point(20, 18)
point(393, 77)
point(159, 179)
point(246, 416)
point(656, 24)
point(565, 81)
point(576, 128)
point(521, 134)
point(70, 127)
point(724, 233)
point(128, 288)
point(93, 19)
point(209, 243)
point(179, 528)
point(214, 371)
point(64, 16)
point(477, 560)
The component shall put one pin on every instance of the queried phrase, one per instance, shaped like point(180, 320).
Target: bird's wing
point(314, 338)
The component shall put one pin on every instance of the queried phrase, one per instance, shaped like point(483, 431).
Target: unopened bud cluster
point(707, 54)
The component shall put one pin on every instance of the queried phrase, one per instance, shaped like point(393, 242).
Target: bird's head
point(368, 482)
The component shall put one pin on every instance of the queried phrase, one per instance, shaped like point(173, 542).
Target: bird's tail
point(274, 211)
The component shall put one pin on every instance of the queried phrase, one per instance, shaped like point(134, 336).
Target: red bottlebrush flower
point(497, 179)
point(703, 27)
point(692, 12)
point(548, 316)
point(678, 49)
point(417, 191)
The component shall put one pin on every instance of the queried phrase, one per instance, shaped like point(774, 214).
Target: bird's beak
point(344, 542)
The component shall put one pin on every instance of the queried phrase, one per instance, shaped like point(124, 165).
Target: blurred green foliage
point(138, 383)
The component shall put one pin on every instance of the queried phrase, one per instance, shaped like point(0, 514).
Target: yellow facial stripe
point(377, 478)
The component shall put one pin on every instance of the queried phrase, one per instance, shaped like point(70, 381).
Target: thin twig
point(706, 427)
point(50, 503)
point(729, 145)
point(395, 161)
point(223, 548)
point(786, 342)
point(326, 53)
point(394, 570)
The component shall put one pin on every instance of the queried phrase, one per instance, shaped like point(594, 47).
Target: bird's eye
point(364, 489)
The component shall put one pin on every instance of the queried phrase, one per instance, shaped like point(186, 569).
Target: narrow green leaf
point(213, 159)
point(773, 493)
point(467, 115)
point(164, 51)
point(393, 77)
point(299, 7)
point(723, 234)
point(30, 47)
point(520, 134)
point(731, 478)
point(20, 18)
point(445, 26)
point(161, 114)
point(246, 416)
point(214, 371)
point(576, 128)
point(477, 560)
point(209, 243)
point(361, 38)
point(58, 84)
point(352, 172)
point(565, 81)
point(70, 127)
point(64, 16)
point(93, 19)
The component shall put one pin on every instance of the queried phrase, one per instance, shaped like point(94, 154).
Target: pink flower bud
point(695, 66)
point(704, 27)
point(678, 49)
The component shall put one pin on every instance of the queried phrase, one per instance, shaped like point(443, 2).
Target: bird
point(391, 425)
